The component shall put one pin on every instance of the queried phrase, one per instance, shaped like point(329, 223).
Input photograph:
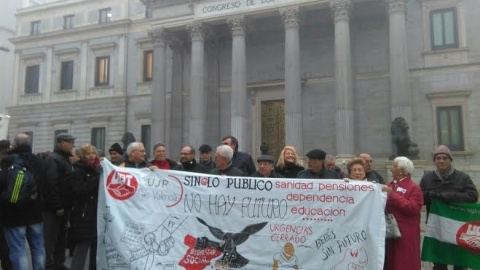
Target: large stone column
point(341, 10)
point(399, 75)
point(158, 118)
point(197, 85)
point(293, 84)
point(239, 80)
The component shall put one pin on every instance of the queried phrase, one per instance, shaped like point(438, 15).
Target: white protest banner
point(176, 220)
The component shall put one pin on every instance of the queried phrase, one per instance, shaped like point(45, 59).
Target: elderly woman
point(288, 164)
point(83, 217)
point(404, 201)
point(356, 168)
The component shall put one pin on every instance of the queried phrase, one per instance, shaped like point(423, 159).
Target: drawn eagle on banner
point(228, 243)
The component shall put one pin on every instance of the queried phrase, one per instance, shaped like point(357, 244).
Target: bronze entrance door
point(273, 126)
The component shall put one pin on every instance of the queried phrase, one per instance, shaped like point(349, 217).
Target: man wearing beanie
point(447, 184)
point(316, 166)
point(116, 154)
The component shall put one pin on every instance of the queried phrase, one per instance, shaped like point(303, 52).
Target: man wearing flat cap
point(447, 184)
point(316, 167)
point(57, 200)
point(206, 157)
point(265, 167)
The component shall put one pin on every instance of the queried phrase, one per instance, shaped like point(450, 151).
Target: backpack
point(21, 182)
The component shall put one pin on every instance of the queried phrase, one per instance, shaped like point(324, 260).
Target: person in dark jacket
point(447, 184)
point(116, 154)
point(188, 162)
point(206, 157)
point(24, 220)
point(265, 167)
point(83, 217)
point(330, 163)
point(57, 202)
point(223, 161)
point(316, 167)
point(372, 176)
point(160, 158)
point(4, 252)
point(241, 160)
point(135, 156)
point(288, 163)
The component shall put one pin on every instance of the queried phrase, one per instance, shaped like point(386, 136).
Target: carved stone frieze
point(290, 16)
point(341, 9)
point(237, 24)
point(396, 5)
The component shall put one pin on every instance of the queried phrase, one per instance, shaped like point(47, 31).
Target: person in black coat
point(188, 162)
point(288, 164)
point(241, 160)
point(83, 216)
point(316, 167)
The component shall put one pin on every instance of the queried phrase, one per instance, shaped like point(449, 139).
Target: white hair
point(225, 151)
point(405, 164)
point(132, 146)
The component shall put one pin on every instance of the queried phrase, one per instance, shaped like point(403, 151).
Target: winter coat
point(373, 176)
point(57, 184)
point(13, 215)
point(244, 162)
point(210, 165)
point(83, 216)
point(273, 174)
point(458, 187)
point(191, 166)
point(405, 203)
point(290, 170)
point(131, 164)
point(230, 171)
point(324, 174)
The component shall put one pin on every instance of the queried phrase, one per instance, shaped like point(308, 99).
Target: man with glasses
point(188, 162)
point(59, 173)
point(136, 156)
point(371, 175)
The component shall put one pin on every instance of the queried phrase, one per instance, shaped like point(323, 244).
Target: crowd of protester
point(64, 216)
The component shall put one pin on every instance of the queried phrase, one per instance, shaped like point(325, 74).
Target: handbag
point(392, 231)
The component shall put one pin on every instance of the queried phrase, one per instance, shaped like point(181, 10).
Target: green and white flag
point(453, 234)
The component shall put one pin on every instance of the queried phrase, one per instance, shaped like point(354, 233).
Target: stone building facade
point(328, 74)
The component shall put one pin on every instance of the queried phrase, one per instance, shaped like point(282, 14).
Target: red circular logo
point(468, 236)
point(121, 185)
point(204, 181)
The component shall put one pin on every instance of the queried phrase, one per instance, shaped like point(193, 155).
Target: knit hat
point(443, 149)
point(117, 148)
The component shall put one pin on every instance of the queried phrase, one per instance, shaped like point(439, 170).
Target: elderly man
point(160, 158)
point(331, 165)
point(57, 202)
point(206, 157)
point(188, 162)
point(447, 184)
point(265, 167)
point(223, 161)
point(135, 156)
point(316, 167)
point(241, 160)
point(371, 175)
point(116, 154)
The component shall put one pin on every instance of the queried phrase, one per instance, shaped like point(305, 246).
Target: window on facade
point(450, 127)
point(58, 131)
point(66, 75)
point(443, 25)
point(148, 13)
point(98, 138)
point(104, 15)
point(35, 28)
point(102, 70)
point(147, 66)
point(68, 21)
point(145, 138)
point(31, 79)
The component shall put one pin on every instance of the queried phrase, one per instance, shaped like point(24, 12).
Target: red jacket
point(405, 203)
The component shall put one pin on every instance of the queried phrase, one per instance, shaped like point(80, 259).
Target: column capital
point(396, 6)
point(237, 24)
point(290, 16)
point(197, 31)
point(160, 36)
point(341, 9)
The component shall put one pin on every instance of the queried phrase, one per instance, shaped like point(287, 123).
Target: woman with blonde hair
point(288, 164)
point(83, 217)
